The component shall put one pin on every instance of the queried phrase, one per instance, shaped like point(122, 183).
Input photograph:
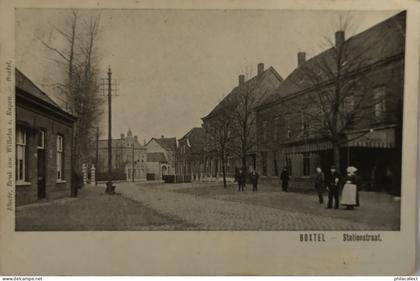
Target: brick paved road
point(214, 214)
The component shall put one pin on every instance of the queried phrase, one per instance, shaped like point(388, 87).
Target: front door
point(42, 193)
point(41, 174)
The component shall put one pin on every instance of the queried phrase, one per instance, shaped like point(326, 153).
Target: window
point(276, 129)
point(264, 131)
point(303, 125)
point(41, 139)
point(60, 158)
point(21, 152)
point(379, 96)
point(289, 165)
point(264, 163)
point(349, 104)
point(275, 167)
point(289, 133)
point(306, 164)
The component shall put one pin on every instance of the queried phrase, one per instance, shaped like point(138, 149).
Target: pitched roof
point(195, 138)
point(28, 90)
point(23, 83)
point(156, 157)
point(261, 87)
point(168, 144)
point(384, 40)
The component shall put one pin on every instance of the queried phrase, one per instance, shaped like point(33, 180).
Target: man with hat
point(333, 187)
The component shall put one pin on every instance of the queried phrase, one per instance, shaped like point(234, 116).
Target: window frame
point(379, 108)
point(306, 162)
point(60, 158)
point(23, 144)
point(264, 130)
point(276, 128)
point(264, 160)
point(42, 133)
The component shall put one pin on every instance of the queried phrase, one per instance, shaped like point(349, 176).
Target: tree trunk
point(336, 155)
point(244, 163)
point(224, 170)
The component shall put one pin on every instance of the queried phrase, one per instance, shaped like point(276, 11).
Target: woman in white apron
point(349, 193)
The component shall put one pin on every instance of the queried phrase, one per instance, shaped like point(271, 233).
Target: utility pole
point(110, 189)
point(97, 154)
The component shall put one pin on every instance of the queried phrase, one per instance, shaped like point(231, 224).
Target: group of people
point(241, 180)
point(333, 182)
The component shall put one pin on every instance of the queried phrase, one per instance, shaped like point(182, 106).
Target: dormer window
point(289, 133)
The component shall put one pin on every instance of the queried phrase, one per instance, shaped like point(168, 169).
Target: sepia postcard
point(208, 137)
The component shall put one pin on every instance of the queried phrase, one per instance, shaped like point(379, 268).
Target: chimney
point(135, 139)
point(241, 80)
point(162, 136)
point(301, 56)
point(339, 38)
point(122, 136)
point(260, 68)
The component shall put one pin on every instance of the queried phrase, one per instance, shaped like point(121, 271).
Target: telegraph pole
point(109, 188)
point(97, 154)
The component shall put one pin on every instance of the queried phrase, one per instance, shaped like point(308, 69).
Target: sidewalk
point(93, 210)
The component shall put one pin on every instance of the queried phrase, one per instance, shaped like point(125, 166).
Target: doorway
point(41, 174)
point(42, 192)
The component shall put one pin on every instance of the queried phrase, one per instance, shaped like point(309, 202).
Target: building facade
point(190, 156)
point(161, 157)
point(223, 126)
point(43, 145)
point(294, 130)
point(128, 158)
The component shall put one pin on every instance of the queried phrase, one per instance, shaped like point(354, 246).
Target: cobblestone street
point(210, 207)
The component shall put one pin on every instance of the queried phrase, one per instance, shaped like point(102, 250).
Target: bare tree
point(80, 86)
point(243, 118)
point(219, 137)
point(340, 89)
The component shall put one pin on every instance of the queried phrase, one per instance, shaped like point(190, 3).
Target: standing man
point(333, 186)
point(241, 180)
point(319, 184)
point(254, 180)
point(284, 177)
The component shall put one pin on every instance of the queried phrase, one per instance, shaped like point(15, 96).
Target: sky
point(174, 66)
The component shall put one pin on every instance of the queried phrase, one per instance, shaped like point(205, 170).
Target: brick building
point(126, 153)
point(256, 88)
point(189, 156)
point(292, 127)
point(161, 156)
point(43, 144)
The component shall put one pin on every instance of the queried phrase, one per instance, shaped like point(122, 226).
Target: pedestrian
point(349, 193)
point(284, 177)
point(241, 180)
point(333, 187)
point(254, 180)
point(320, 184)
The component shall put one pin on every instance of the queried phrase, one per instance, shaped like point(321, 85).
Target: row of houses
point(342, 107)
point(134, 161)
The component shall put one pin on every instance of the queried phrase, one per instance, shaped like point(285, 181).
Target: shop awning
point(310, 147)
point(376, 138)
